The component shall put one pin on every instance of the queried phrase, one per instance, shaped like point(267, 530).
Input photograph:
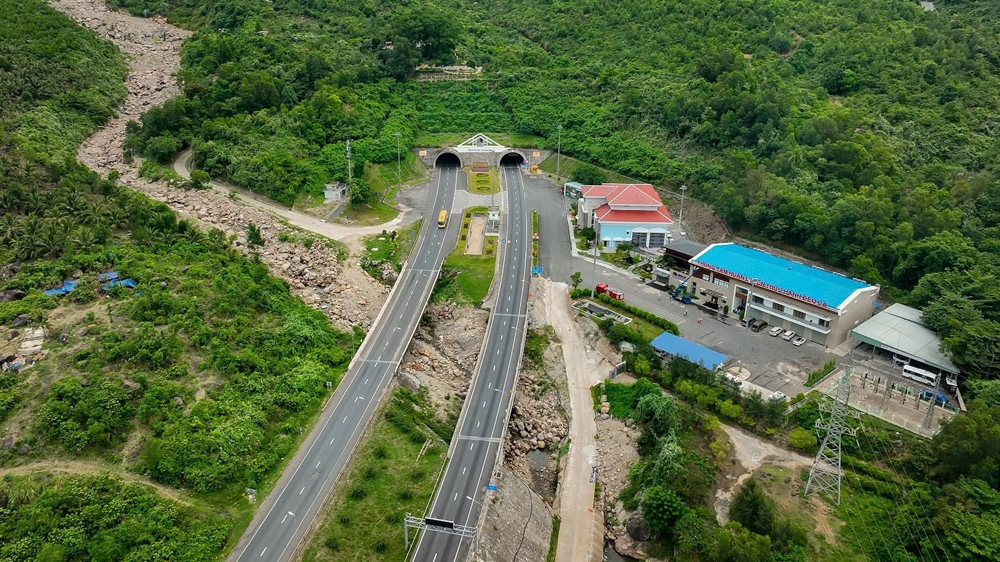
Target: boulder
point(131, 385)
point(20, 320)
point(85, 382)
point(23, 450)
point(179, 401)
point(409, 381)
point(11, 295)
point(83, 331)
point(12, 334)
point(637, 528)
point(63, 338)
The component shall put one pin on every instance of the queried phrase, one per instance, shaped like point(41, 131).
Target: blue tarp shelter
point(669, 344)
point(67, 286)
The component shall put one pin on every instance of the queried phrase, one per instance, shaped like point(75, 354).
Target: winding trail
point(95, 467)
point(153, 49)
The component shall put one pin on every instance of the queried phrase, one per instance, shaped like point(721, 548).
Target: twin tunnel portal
point(281, 525)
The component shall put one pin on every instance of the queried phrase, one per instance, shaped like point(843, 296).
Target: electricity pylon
point(824, 476)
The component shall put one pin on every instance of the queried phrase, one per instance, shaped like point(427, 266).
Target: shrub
point(332, 543)
point(802, 438)
point(818, 374)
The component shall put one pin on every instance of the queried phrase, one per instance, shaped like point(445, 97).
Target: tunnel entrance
point(512, 159)
point(448, 160)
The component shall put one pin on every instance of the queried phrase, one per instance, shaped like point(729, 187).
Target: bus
point(442, 218)
point(920, 375)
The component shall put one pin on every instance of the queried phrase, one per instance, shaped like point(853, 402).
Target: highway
point(285, 518)
point(483, 421)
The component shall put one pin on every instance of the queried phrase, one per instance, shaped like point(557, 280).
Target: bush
point(802, 438)
point(818, 374)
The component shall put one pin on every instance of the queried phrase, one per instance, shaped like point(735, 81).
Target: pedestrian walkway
point(464, 199)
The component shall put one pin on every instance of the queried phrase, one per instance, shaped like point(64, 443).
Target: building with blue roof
point(669, 345)
point(819, 305)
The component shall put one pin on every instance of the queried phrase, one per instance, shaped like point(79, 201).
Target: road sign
point(491, 487)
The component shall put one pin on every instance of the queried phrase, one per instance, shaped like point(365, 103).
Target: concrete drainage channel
point(591, 308)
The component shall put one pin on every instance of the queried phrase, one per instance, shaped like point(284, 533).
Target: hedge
point(667, 325)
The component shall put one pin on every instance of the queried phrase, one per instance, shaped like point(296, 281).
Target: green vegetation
point(466, 279)
point(101, 518)
point(818, 374)
point(483, 183)
point(58, 81)
point(636, 312)
point(550, 556)
point(394, 473)
point(568, 165)
point(392, 247)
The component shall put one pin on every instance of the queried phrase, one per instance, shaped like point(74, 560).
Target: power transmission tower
point(824, 476)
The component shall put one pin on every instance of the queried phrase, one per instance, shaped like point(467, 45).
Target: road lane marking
point(345, 419)
point(263, 551)
point(477, 424)
point(484, 403)
point(317, 464)
point(470, 446)
point(456, 497)
point(464, 468)
point(283, 519)
point(332, 440)
point(302, 490)
point(366, 381)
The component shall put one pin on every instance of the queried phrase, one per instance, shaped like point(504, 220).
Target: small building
point(817, 304)
point(900, 332)
point(335, 191)
point(631, 213)
point(668, 345)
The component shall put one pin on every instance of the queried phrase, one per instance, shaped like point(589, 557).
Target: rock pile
point(534, 423)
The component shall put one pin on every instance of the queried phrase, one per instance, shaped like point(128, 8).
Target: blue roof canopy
point(780, 275)
point(698, 354)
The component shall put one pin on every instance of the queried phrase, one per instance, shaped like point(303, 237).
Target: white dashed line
point(464, 468)
point(332, 440)
point(317, 464)
point(302, 490)
point(265, 550)
point(345, 419)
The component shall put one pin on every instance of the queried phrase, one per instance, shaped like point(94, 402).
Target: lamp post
point(559, 152)
point(399, 169)
point(481, 507)
point(746, 317)
point(680, 220)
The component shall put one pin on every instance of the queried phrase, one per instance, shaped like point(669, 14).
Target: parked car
point(745, 321)
point(758, 325)
point(775, 331)
point(798, 341)
point(778, 395)
point(788, 335)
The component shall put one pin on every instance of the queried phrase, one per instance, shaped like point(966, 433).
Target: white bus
point(920, 375)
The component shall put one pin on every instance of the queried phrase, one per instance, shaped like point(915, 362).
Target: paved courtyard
point(768, 362)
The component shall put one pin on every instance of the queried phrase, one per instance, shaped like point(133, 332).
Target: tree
point(199, 180)
point(753, 508)
point(576, 279)
point(254, 237)
point(162, 148)
point(969, 446)
point(657, 413)
point(588, 174)
point(802, 438)
point(361, 192)
point(661, 508)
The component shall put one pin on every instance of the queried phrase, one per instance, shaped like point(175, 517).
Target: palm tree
point(73, 201)
point(52, 240)
point(83, 238)
point(92, 215)
point(9, 227)
point(34, 201)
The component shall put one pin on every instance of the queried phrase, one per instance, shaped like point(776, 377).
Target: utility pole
point(596, 249)
point(559, 153)
point(680, 221)
point(349, 178)
point(825, 474)
point(399, 168)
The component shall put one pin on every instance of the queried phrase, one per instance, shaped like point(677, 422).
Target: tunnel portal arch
point(448, 158)
point(512, 158)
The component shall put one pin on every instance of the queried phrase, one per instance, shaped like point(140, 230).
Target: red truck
point(603, 289)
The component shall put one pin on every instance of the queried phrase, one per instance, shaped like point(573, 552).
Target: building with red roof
point(619, 212)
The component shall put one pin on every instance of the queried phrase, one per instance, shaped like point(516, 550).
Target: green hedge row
point(644, 314)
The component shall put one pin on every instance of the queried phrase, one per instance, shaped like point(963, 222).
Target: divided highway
point(479, 436)
point(285, 517)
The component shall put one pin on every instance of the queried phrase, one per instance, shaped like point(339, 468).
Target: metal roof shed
point(900, 330)
point(670, 344)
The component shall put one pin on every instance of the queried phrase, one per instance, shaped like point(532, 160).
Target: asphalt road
point(284, 519)
point(481, 426)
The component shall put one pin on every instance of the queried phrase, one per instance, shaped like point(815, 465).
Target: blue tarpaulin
point(672, 345)
point(127, 283)
point(109, 276)
point(67, 286)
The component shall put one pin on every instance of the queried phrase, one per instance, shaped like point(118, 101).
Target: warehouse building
point(821, 306)
point(899, 333)
point(668, 345)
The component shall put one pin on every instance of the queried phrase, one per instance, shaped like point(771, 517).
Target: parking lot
point(768, 362)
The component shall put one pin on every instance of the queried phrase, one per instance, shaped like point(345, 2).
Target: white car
point(788, 335)
point(775, 331)
point(798, 341)
point(778, 395)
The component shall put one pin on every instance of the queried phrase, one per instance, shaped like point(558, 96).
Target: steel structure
point(825, 474)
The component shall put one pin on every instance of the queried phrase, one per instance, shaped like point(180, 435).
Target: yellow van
point(442, 218)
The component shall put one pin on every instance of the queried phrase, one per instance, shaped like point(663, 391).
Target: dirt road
point(94, 467)
point(582, 536)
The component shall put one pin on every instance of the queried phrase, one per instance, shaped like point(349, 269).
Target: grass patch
point(441, 140)
point(154, 171)
point(553, 539)
point(621, 397)
point(384, 178)
point(368, 214)
point(818, 374)
point(483, 183)
point(534, 237)
point(568, 164)
point(535, 345)
point(388, 478)
point(466, 279)
point(392, 246)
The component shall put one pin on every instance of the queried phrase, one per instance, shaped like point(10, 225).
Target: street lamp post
point(399, 168)
point(482, 508)
point(746, 315)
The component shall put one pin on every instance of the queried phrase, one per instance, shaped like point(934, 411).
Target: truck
point(603, 289)
point(680, 296)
